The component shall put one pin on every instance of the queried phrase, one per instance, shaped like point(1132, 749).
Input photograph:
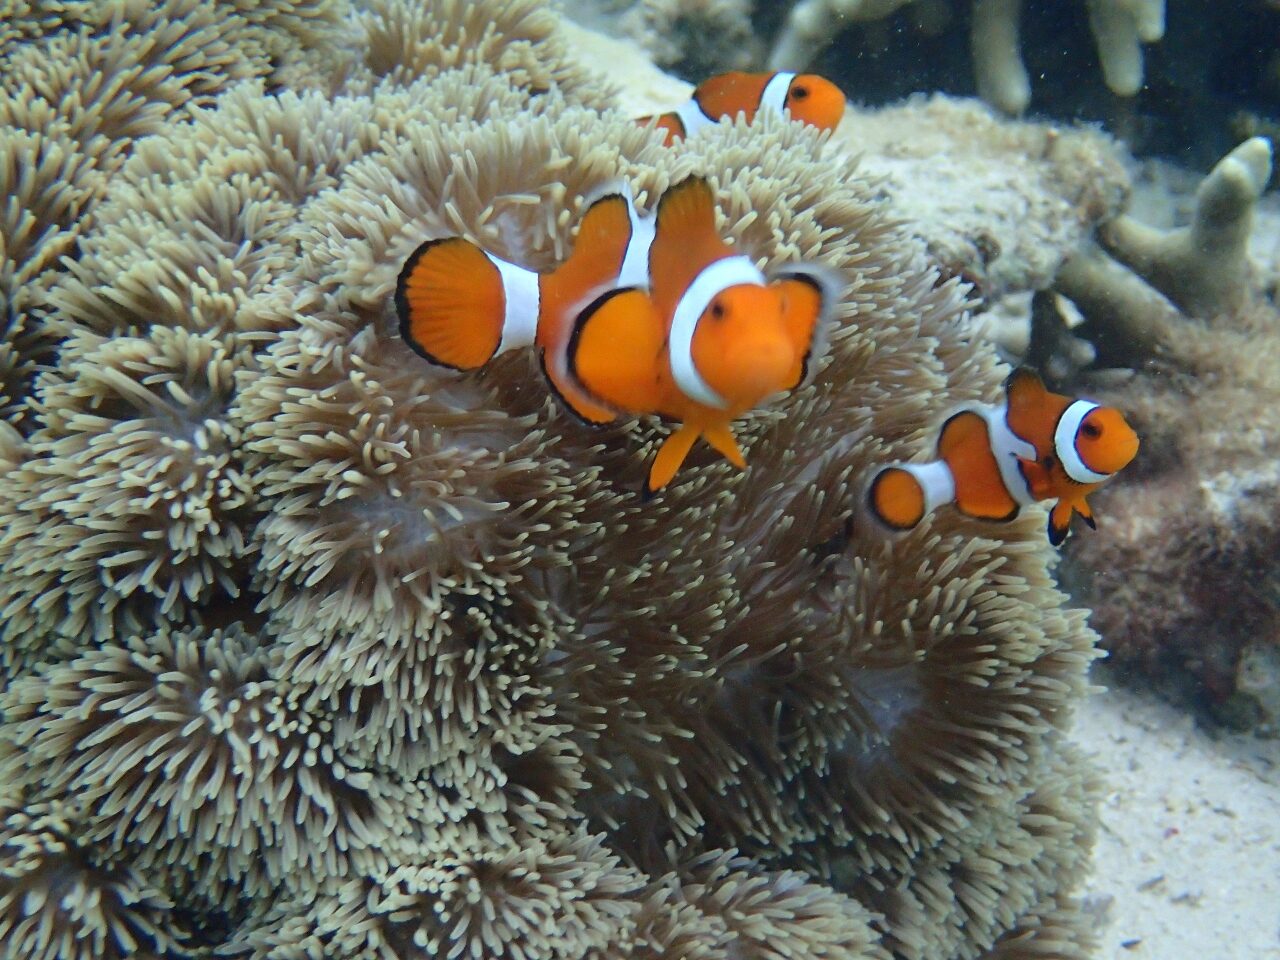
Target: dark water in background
point(1215, 73)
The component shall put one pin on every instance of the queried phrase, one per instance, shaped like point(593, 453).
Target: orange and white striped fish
point(460, 306)
point(992, 461)
point(806, 97)
point(712, 339)
point(647, 316)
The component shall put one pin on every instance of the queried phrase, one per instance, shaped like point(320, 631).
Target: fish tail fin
point(897, 498)
point(459, 307)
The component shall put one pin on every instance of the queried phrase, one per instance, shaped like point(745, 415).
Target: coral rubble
point(313, 650)
point(1000, 203)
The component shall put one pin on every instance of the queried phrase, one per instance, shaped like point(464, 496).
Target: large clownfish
point(992, 461)
point(647, 316)
point(807, 97)
point(711, 339)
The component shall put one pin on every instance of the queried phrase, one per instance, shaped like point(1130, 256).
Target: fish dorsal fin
point(962, 430)
point(1033, 410)
point(670, 123)
point(1024, 389)
point(598, 250)
point(728, 94)
point(615, 354)
point(685, 241)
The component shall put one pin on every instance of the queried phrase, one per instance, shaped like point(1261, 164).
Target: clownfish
point(648, 315)
point(806, 96)
point(710, 340)
point(992, 461)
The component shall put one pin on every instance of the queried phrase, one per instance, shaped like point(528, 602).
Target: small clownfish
point(460, 306)
point(647, 315)
point(806, 96)
point(992, 461)
point(710, 340)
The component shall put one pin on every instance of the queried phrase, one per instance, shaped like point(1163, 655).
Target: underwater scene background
point(311, 648)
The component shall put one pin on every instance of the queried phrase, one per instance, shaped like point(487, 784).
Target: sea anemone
point(519, 39)
point(370, 655)
point(58, 903)
point(181, 747)
point(548, 897)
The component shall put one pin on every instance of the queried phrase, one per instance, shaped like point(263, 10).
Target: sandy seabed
point(1188, 858)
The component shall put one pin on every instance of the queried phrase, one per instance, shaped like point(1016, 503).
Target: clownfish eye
point(799, 93)
point(1091, 430)
point(1048, 462)
point(717, 310)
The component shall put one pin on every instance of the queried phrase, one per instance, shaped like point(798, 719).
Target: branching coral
point(355, 656)
point(1138, 290)
point(1202, 267)
point(812, 24)
point(1119, 27)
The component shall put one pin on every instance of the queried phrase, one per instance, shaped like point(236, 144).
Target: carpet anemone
point(356, 656)
point(77, 93)
point(181, 747)
point(57, 903)
point(553, 895)
point(720, 906)
point(404, 40)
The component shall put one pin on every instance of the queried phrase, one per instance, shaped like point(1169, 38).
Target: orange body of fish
point(992, 461)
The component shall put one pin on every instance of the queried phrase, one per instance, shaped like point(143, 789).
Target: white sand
point(1188, 860)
